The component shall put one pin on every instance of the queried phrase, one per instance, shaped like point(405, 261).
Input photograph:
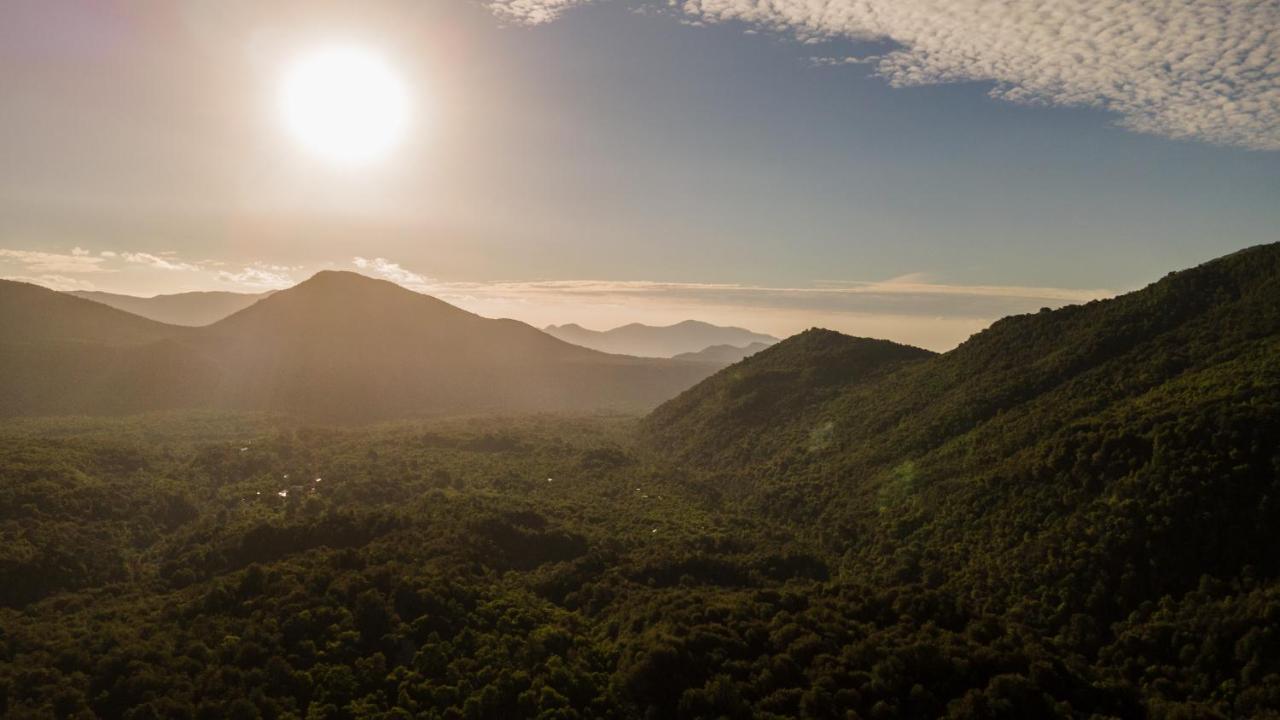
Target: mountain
point(339, 346)
point(639, 340)
point(1072, 515)
point(1082, 460)
point(745, 412)
point(722, 354)
point(61, 355)
point(191, 308)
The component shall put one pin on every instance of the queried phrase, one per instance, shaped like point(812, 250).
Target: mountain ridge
point(338, 346)
point(1155, 414)
point(640, 340)
point(726, 354)
point(193, 309)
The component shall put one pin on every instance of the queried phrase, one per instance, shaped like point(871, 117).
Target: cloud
point(51, 262)
point(894, 297)
point(531, 12)
point(1204, 70)
point(157, 262)
point(259, 276)
point(909, 308)
point(933, 315)
point(388, 270)
point(55, 282)
point(1192, 69)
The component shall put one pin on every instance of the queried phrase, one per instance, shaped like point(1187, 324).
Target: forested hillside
point(1071, 515)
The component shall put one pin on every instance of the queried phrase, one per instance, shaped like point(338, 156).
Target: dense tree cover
point(1072, 515)
point(536, 567)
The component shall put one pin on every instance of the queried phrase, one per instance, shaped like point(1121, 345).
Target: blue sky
point(619, 161)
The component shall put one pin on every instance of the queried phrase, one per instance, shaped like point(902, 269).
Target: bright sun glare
point(344, 104)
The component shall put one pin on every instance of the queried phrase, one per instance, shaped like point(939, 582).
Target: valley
point(1070, 515)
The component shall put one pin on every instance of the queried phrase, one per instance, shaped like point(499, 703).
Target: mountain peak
point(343, 279)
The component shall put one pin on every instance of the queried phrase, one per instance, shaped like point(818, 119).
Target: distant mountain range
point(690, 336)
point(690, 340)
point(723, 354)
point(339, 346)
point(191, 308)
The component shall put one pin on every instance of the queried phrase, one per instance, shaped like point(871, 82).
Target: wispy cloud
point(1205, 70)
point(157, 262)
point(259, 276)
point(121, 271)
point(54, 282)
point(910, 308)
point(394, 272)
point(76, 262)
point(892, 297)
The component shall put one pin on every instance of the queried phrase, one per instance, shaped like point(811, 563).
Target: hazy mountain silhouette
point(339, 346)
point(33, 314)
point(723, 354)
point(61, 354)
point(689, 336)
point(190, 308)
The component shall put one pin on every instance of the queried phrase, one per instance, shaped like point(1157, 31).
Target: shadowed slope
point(30, 313)
point(1133, 441)
point(339, 346)
point(343, 344)
point(61, 354)
point(748, 411)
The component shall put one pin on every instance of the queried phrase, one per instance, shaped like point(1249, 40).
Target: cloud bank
point(74, 270)
point(1205, 70)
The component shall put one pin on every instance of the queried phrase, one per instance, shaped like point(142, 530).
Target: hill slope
point(749, 411)
point(648, 341)
point(61, 354)
point(342, 344)
point(191, 308)
point(32, 314)
point(339, 346)
point(1082, 460)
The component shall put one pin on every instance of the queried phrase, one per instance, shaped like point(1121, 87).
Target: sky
point(909, 169)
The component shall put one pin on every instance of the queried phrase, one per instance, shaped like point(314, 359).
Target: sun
point(344, 104)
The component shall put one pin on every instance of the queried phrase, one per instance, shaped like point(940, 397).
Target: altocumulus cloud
point(531, 12)
point(1204, 70)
